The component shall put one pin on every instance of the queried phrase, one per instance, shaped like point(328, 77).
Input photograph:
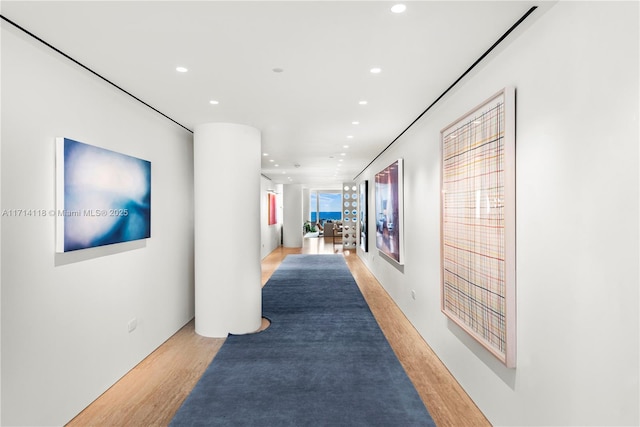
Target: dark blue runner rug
point(323, 361)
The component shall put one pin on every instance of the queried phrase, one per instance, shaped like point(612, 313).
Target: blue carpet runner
point(323, 361)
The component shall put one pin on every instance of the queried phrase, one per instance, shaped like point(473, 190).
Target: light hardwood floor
point(151, 393)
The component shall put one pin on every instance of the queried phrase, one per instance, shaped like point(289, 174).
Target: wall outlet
point(132, 325)
point(413, 294)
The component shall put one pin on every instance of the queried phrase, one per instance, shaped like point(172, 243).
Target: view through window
point(325, 205)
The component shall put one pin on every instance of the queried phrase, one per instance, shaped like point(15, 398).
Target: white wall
point(270, 234)
point(292, 215)
point(0, 231)
point(64, 316)
point(575, 69)
point(306, 214)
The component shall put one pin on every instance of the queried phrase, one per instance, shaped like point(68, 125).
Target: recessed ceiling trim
point(29, 33)
point(484, 55)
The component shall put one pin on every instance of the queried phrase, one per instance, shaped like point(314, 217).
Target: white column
point(292, 215)
point(226, 167)
point(305, 204)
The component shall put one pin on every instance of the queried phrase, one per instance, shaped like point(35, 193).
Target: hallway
point(151, 393)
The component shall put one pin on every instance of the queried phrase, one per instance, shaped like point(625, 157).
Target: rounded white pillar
point(292, 215)
point(228, 291)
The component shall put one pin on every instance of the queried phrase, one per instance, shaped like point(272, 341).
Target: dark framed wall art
point(362, 221)
point(389, 211)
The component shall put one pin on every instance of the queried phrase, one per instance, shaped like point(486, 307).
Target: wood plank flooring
point(151, 393)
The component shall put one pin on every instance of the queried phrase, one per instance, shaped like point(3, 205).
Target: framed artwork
point(478, 224)
point(271, 203)
point(389, 211)
point(102, 197)
point(364, 202)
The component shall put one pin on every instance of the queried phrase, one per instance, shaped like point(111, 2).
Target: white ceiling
point(326, 49)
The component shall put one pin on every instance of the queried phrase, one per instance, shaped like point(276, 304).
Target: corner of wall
point(269, 234)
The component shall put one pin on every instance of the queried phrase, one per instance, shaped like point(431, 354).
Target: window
point(325, 205)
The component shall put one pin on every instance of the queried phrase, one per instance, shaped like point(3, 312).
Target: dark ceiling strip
point(24, 30)
point(487, 52)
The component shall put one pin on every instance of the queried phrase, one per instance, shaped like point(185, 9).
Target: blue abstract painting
point(103, 197)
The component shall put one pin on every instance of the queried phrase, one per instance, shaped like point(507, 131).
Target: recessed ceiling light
point(355, 123)
point(345, 146)
point(350, 136)
point(265, 154)
point(343, 154)
point(214, 102)
point(276, 165)
point(181, 69)
point(341, 160)
point(375, 70)
point(362, 102)
point(398, 8)
point(271, 160)
point(284, 172)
